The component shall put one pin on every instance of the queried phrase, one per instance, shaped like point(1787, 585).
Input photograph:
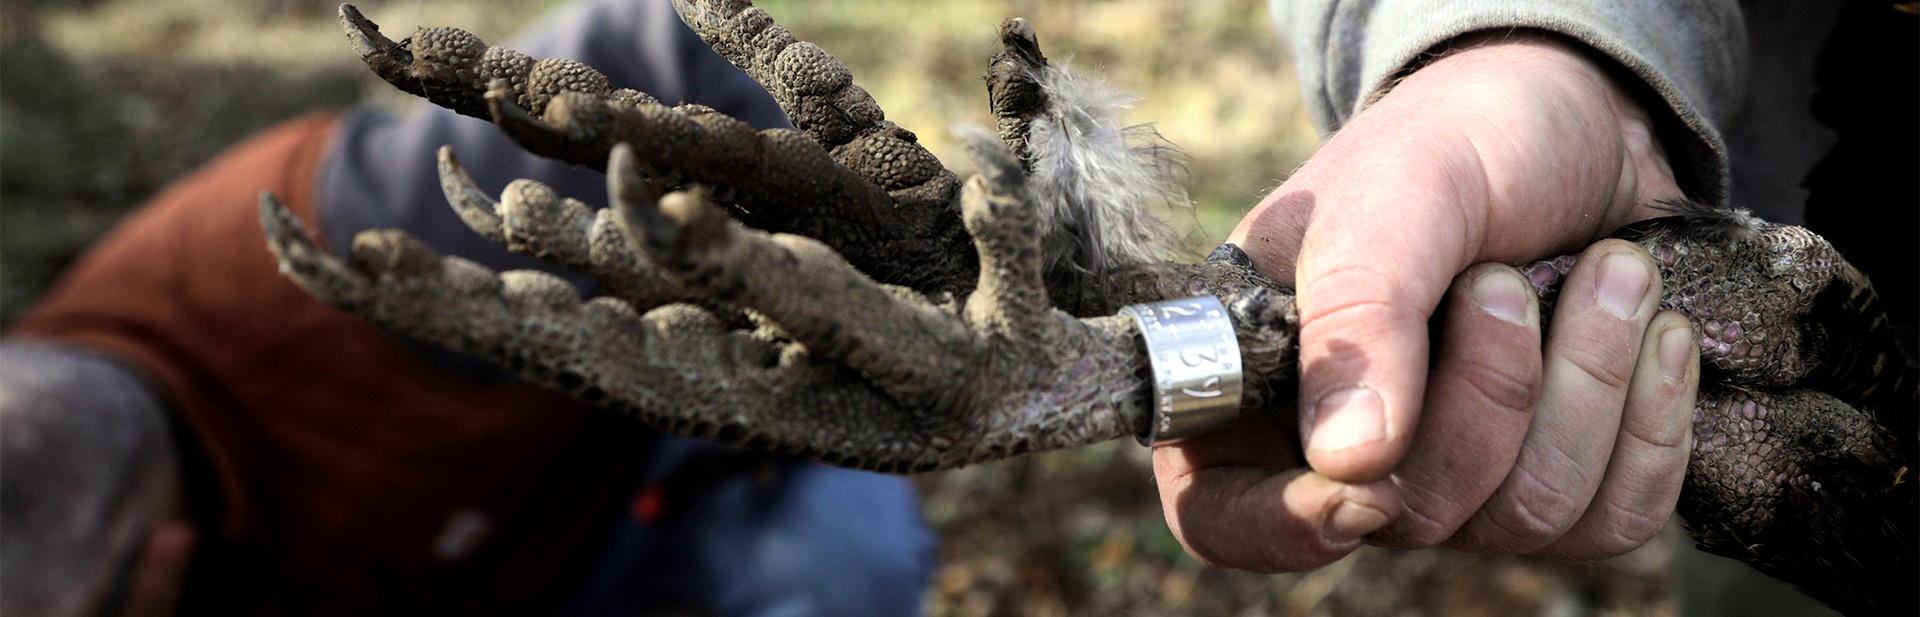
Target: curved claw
point(536, 135)
point(1013, 87)
point(452, 68)
point(422, 68)
point(302, 260)
point(285, 233)
point(646, 229)
point(365, 37)
point(473, 205)
point(878, 197)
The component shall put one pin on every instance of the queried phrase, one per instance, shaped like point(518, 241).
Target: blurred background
point(103, 102)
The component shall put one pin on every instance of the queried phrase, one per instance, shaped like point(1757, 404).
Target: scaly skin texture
point(1804, 425)
point(1775, 305)
point(849, 371)
point(848, 178)
point(1807, 489)
point(1011, 90)
point(859, 308)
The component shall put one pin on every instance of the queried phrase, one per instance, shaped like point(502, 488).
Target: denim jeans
point(762, 536)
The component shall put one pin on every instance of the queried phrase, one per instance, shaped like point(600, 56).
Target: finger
point(1262, 439)
point(1649, 459)
point(154, 588)
point(1611, 295)
point(1370, 274)
point(1257, 517)
point(1480, 399)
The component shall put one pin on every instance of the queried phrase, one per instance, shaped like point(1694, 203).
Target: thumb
point(1370, 269)
point(1368, 282)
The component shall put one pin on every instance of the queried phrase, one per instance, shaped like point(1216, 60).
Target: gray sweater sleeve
point(1690, 53)
point(89, 462)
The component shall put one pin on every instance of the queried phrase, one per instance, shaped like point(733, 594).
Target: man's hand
point(1510, 147)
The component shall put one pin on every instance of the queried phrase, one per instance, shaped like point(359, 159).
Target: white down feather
point(1098, 182)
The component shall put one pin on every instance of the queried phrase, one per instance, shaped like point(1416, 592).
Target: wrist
point(1498, 132)
point(1646, 173)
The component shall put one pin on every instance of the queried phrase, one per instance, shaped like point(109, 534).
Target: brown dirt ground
point(104, 102)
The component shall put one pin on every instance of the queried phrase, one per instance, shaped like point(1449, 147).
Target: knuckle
point(1295, 546)
point(1292, 551)
point(1346, 334)
point(1535, 512)
point(1599, 363)
point(1362, 318)
point(1668, 427)
point(1225, 533)
point(1423, 525)
point(1439, 496)
point(1349, 294)
point(1626, 528)
point(1503, 387)
point(1617, 531)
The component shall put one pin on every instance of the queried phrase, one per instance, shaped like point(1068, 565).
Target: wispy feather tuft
point(1097, 181)
point(1725, 223)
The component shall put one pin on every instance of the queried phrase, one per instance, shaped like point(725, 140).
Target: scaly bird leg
point(852, 180)
point(874, 376)
point(813, 87)
point(1770, 466)
point(675, 367)
point(530, 219)
point(1807, 489)
point(863, 185)
point(1802, 435)
point(870, 376)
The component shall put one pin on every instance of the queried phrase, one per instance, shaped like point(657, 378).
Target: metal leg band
point(1196, 368)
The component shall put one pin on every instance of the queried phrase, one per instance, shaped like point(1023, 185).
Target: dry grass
point(106, 101)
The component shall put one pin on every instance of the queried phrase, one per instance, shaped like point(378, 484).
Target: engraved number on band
point(1198, 358)
point(1196, 367)
point(1213, 388)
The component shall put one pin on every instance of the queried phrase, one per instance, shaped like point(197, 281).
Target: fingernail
point(1676, 353)
point(1501, 295)
point(1348, 418)
point(1623, 282)
point(1351, 521)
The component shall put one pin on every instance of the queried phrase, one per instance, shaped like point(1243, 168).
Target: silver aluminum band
point(1196, 368)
